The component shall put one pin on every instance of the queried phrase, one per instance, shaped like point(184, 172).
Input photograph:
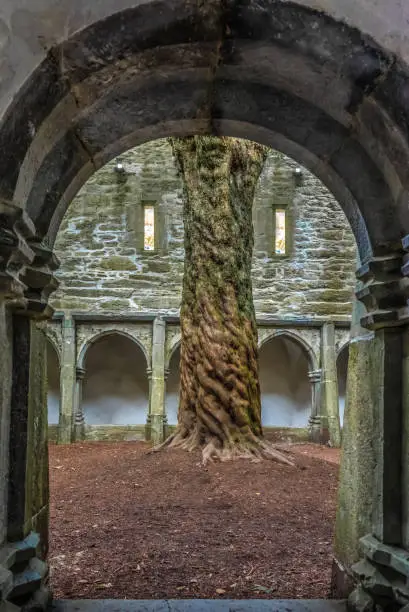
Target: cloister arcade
point(113, 378)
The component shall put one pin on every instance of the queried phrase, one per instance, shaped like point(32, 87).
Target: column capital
point(315, 376)
point(384, 290)
point(166, 373)
point(26, 264)
point(149, 373)
point(80, 373)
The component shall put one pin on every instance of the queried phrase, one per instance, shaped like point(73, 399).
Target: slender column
point(315, 418)
point(329, 383)
point(157, 393)
point(68, 381)
point(148, 418)
point(79, 421)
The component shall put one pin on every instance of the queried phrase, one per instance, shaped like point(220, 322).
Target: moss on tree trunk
point(220, 407)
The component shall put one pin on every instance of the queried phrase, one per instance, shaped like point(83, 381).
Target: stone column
point(382, 573)
point(329, 384)
point(68, 381)
point(79, 421)
point(6, 374)
point(354, 508)
point(157, 391)
point(315, 418)
point(26, 281)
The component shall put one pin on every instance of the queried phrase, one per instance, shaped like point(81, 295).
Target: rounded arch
point(115, 389)
point(284, 382)
point(103, 334)
point(54, 345)
point(175, 346)
point(294, 337)
point(326, 102)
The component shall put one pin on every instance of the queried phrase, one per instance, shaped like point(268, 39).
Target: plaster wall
point(284, 383)
point(342, 368)
point(115, 388)
point(53, 377)
point(172, 388)
point(104, 269)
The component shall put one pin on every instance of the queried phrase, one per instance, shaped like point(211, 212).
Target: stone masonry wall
point(104, 268)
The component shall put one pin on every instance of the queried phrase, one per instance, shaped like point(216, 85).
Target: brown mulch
point(125, 524)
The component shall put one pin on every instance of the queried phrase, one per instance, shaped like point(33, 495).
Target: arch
point(54, 344)
point(116, 387)
point(331, 111)
point(174, 346)
point(285, 386)
point(93, 339)
point(342, 347)
point(293, 336)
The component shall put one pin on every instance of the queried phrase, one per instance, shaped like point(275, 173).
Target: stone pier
point(68, 381)
point(329, 385)
point(157, 417)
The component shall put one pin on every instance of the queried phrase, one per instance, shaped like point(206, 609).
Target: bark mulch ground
point(125, 524)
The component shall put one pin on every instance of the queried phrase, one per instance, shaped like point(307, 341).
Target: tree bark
point(220, 406)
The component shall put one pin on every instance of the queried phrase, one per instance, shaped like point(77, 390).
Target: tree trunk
point(220, 407)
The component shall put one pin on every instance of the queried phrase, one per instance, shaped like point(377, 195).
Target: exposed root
point(252, 448)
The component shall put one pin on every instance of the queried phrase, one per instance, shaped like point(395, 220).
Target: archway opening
point(116, 386)
point(342, 370)
point(285, 386)
point(53, 389)
point(173, 387)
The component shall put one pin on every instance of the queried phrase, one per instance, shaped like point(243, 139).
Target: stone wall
point(104, 267)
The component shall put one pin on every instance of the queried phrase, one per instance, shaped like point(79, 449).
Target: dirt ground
point(127, 524)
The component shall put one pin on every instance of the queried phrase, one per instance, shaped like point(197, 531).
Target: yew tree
point(220, 406)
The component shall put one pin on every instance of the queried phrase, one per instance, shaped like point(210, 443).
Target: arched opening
point(172, 387)
point(53, 387)
point(116, 386)
point(342, 371)
point(328, 90)
point(284, 383)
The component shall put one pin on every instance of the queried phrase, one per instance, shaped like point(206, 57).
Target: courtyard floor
point(127, 524)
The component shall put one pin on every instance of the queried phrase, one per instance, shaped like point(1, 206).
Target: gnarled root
point(247, 446)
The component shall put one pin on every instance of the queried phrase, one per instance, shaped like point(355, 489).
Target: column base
point(156, 429)
point(23, 576)
point(382, 578)
point(318, 429)
point(79, 432)
point(342, 583)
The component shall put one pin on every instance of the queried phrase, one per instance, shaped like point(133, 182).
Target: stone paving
point(199, 605)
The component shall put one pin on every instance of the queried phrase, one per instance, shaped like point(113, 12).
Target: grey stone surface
point(5, 398)
point(199, 605)
point(104, 269)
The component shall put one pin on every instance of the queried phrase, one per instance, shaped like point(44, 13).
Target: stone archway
point(116, 387)
point(285, 385)
point(328, 88)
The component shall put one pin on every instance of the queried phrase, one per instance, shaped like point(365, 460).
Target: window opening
point(149, 228)
point(280, 232)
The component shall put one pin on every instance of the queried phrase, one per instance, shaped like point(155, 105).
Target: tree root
point(249, 447)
